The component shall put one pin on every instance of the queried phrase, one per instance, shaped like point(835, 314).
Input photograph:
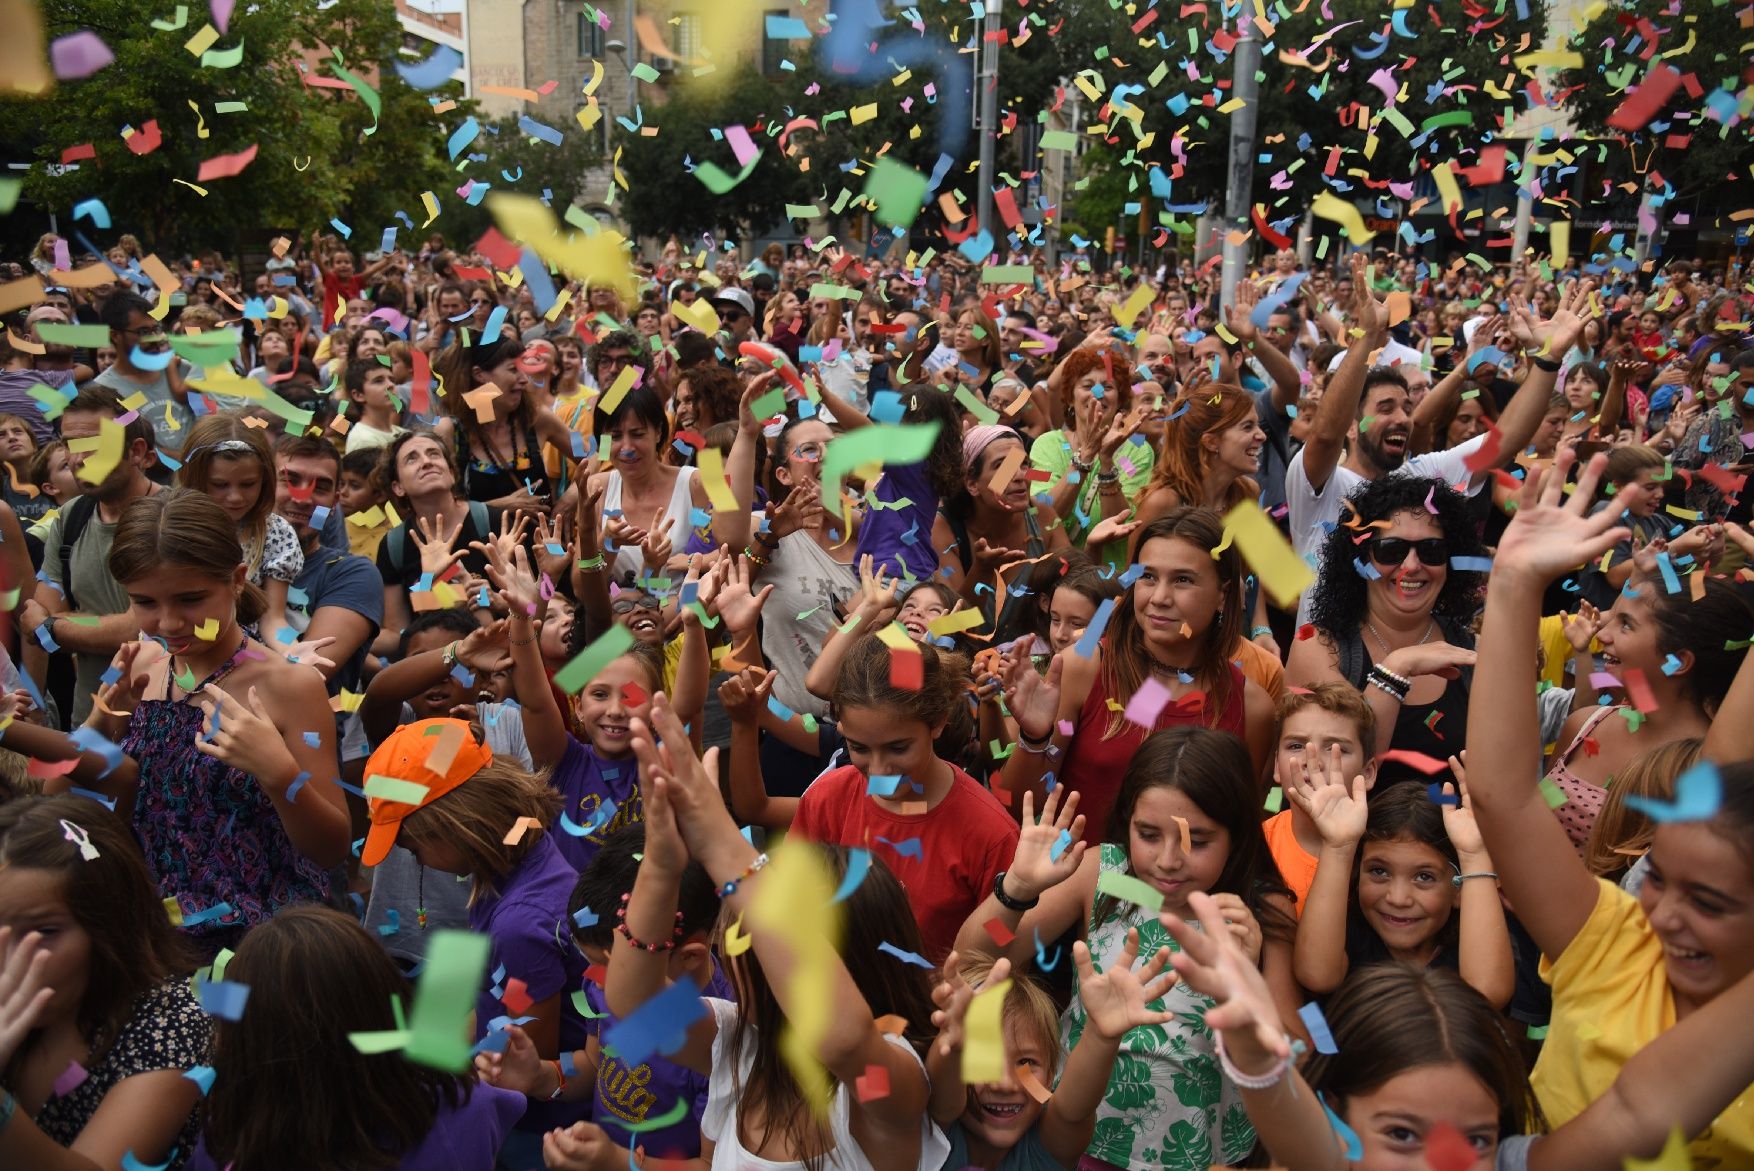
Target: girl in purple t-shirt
point(316, 979)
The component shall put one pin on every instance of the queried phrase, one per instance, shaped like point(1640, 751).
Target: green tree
point(314, 162)
point(1684, 143)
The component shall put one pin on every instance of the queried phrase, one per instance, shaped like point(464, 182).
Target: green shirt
point(1134, 461)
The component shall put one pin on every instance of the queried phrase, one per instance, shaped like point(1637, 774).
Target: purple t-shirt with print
point(650, 1090)
point(899, 536)
point(586, 782)
point(468, 1136)
point(532, 941)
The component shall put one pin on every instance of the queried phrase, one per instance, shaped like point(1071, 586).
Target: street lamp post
point(1245, 63)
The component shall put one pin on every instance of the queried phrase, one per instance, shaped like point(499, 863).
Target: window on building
point(590, 34)
point(773, 50)
point(688, 44)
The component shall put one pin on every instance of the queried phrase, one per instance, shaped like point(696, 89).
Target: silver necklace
point(1383, 643)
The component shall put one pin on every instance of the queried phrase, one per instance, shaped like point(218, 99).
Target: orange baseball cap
point(405, 756)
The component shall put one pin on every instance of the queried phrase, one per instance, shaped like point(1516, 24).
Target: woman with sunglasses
point(1390, 613)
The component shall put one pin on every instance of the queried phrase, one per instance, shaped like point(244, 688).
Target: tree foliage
point(314, 162)
point(1691, 144)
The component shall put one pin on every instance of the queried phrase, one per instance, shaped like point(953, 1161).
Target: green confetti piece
point(974, 406)
point(801, 211)
point(581, 1002)
point(706, 620)
point(1000, 751)
point(1275, 799)
point(717, 181)
point(10, 190)
point(1538, 1032)
point(1552, 794)
point(1130, 890)
point(395, 789)
point(456, 961)
point(669, 1117)
point(587, 663)
point(645, 72)
point(897, 190)
point(1008, 274)
point(810, 723)
point(1059, 140)
point(73, 335)
point(904, 443)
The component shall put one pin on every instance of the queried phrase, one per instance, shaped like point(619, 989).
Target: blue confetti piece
point(1699, 792)
point(1439, 797)
point(313, 740)
point(1041, 956)
point(910, 848)
point(567, 1065)
point(1671, 665)
point(585, 917)
point(211, 914)
point(1317, 1026)
point(1092, 636)
point(107, 802)
point(90, 740)
point(906, 957)
point(1671, 582)
point(202, 1076)
point(1471, 564)
point(858, 865)
point(660, 1025)
point(346, 232)
point(223, 998)
point(130, 1163)
point(462, 136)
point(880, 784)
point(46, 639)
point(393, 926)
point(1367, 572)
point(540, 130)
point(1060, 846)
point(463, 675)
point(1347, 1136)
point(319, 518)
point(298, 783)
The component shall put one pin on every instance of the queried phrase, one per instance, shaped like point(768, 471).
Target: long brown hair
point(1125, 662)
point(1183, 461)
point(315, 977)
point(864, 682)
point(1391, 1018)
point(113, 898)
point(876, 912)
point(475, 817)
point(1214, 770)
point(1621, 833)
point(225, 436)
point(188, 529)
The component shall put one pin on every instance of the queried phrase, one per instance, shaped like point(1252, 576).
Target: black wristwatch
point(1006, 901)
point(1547, 364)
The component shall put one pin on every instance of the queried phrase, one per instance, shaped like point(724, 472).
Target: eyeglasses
point(626, 605)
point(1393, 550)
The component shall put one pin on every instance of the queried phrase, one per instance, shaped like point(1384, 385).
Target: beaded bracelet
point(1262, 1081)
point(730, 887)
point(621, 926)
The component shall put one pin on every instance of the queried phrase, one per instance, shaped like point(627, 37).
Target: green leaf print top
point(1168, 1105)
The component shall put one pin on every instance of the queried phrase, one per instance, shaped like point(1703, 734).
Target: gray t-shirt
point(170, 420)
point(807, 585)
point(95, 591)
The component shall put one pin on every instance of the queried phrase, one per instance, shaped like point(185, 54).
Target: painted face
point(173, 601)
point(32, 899)
point(1405, 894)
point(1000, 1113)
point(1407, 586)
point(1699, 898)
point(883, 742)
point(1069, 612)
point(918, 610)
point(1395, 1121)
point(236, 483)
point(608, 704)
point(1154, 846)
point(1177, 595)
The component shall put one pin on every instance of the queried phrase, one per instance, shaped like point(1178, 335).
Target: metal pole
point(1245, 62)
point(987, 80)
point(1525, 205)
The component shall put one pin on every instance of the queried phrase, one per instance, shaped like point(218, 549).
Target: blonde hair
point(1621, 833)
point(227, 436)
point(1028, 1003)
point(475, 817)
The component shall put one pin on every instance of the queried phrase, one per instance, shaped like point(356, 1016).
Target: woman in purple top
point(315, 979)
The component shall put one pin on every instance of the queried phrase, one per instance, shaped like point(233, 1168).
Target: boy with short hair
point(1313, 723)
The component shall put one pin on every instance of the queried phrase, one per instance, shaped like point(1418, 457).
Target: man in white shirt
point(1366, 416)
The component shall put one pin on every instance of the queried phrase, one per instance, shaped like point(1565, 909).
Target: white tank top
point(629, 561)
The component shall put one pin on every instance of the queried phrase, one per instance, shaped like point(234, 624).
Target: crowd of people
point(1076, 724)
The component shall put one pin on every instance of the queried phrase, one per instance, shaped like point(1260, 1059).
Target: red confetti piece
point(873, 1083)
point(225, 166)
point(1002, 935)
point(498, 249)
point(74, 153)
point(596, 974)
point(1642, 104)
point(1306, 631)
point(517, 997)
point(1429, 765)
point(1638, 690)
point(1487, 456)
point(632, 695)
point(1447, 1149)
point(146, 139)
point(907, 669)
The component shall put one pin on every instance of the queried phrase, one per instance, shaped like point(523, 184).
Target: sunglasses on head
point(1393, 550)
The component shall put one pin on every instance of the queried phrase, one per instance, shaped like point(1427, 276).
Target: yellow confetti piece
point(1331, 207)
point(207, 631)
point(953, 623)
point(713, 479)
point(105, 452)
point(794, 904)
point(1135, 305)
point(983, 1043)
point(347, 701)
point(480, 400)
point(701, 315)
point(202, 41)
point(519, 828)
point(173, 912)
point(895, 637)
point(737, 941)
point(1444, 175)
point(1282, 572)
point(617, 391)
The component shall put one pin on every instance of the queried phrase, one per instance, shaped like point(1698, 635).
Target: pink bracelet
point(1265, 1081)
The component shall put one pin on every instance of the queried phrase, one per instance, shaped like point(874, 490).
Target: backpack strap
point(79, 515)
point(396, 541)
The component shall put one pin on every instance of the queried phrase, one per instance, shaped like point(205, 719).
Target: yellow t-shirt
point(1611, 997)
point(365, 539)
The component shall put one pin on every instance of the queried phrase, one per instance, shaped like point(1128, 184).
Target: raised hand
point(514, 581)
point(738, 603)
point(666, 756)
point(953, 994)
point(244, 736)
point(879, 594)
point(1034, 699)
point(1580, 628)
point(744, 694)
point(310, 652)
point(1240, 316)
point(1213, 964)
point(1458, 819)
point(1369, 313)
point(800, 508)
point(24, 989)
point(656, 547)
point(989, 558)
point(1111, 528)
point(512, 528)
point(1120, 998)
point(1548, 539)
point(1319, 789)
point(485, 649)
point(435, 544)
point(549, 564)
point(1050, 849)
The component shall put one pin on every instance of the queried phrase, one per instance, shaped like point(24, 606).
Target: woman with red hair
point(1097, 471)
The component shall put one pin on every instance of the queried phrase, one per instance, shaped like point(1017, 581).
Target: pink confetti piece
point(221, 11)
point(79, 54)
point(741, 145)
point(1147, 703)
point(1602, 681)
point(71, 1079)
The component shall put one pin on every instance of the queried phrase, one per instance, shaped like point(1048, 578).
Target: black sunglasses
point(626, 605)
point(1393, 550)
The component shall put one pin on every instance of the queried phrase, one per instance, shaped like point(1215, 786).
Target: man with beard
point(1366, 416)
point(80, 606)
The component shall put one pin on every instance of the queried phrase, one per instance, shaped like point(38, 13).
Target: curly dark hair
point(1337, 607)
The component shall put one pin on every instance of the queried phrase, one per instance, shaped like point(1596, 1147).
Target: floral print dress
point(1168, 1104)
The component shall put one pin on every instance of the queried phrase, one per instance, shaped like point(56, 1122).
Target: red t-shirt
point(963, 841)
point(337, 290)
